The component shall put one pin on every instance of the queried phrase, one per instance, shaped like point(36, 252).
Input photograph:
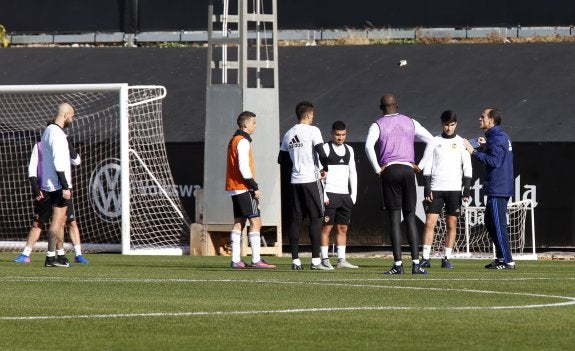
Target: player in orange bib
point(244, 192)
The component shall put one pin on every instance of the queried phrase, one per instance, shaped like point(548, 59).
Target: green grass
point(170, 303)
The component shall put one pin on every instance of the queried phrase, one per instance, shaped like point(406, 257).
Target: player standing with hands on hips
point(395, 135)
point(244, 191)
point(340, 194)
point(496, 154)
point(446, 172)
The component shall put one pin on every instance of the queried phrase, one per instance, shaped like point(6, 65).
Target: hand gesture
point(468, 146)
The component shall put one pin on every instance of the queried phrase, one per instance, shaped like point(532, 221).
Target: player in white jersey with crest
point(447, 171)
point(340, 194)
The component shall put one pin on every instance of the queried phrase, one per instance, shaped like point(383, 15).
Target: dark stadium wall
point(296, 14)
point(530, 83)
point(71, 16)
point(533, 83)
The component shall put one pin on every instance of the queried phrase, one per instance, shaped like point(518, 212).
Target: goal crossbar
point(62, 88)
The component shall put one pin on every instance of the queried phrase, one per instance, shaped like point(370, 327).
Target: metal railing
point(186, 37)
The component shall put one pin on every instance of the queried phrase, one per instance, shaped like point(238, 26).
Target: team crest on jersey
point(326, 219)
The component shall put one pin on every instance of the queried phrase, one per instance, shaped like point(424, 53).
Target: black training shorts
point(246, 205)
point(338, 211)
point(450, 199)
point(398, 187)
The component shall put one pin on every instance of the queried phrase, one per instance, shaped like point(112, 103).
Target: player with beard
point(57, 179)
point(340, 194)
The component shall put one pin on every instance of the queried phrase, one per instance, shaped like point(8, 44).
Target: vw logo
point(105, 190)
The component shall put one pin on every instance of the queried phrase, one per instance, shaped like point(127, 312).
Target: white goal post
point(472, 239)
point(125, 199)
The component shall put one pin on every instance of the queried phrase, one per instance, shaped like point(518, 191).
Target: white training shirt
point(449, 162)
point(55, 158)
point(341, 178)
point(300, 141)
point(33, 164)
point(34, 160)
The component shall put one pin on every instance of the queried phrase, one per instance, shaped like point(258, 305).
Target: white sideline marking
point(569, 300)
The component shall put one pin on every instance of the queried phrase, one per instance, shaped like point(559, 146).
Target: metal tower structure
point(242, 75)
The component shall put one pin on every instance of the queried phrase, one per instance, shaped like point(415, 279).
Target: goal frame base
point(486, 256)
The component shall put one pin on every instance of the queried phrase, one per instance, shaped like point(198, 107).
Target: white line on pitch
point(570, 301)
point(297, 310)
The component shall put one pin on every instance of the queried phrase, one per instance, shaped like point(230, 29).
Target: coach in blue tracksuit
point(495, 152)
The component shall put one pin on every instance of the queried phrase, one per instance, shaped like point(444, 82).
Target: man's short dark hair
point(495, 114)
point(338, 125)
point(243, 117)
point(448, 116)
point(302, 108)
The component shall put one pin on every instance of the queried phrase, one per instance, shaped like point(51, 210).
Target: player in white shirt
point(302, 146)
point(447, 171)
point(340, 194)
point(43, 210)
point(56, 179)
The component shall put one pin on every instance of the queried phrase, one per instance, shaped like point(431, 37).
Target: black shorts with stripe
point(307, 199)
point(246, 205)
point(450, 199)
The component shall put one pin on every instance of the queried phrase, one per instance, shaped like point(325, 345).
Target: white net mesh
point(471, 225)
point(157, 219)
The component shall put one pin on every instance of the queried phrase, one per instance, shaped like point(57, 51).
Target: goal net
point(472, 239)
point(125, 199)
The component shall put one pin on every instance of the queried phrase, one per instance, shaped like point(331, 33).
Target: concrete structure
point(242, 77)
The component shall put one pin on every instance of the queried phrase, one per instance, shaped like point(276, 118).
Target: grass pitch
point(171, 303)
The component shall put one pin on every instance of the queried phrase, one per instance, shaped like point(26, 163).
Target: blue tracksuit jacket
point(497, 156)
